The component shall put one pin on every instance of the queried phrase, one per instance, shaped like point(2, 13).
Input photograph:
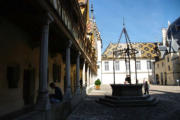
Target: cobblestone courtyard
point(168, 107)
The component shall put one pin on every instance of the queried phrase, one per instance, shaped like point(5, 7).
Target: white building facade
point(99, 62)
point(144, 64)
point(144, 71)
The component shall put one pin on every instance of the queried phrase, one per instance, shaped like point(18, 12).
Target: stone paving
point(168, 107)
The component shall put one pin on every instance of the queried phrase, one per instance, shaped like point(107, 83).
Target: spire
point(92, 10)
point(169, 23)
point(123, 22)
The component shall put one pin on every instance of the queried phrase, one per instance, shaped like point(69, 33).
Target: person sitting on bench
point(57, 96)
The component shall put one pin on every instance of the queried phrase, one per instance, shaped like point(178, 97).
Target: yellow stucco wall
point(159, 68)
point(15, 51)
point(171, 67)
point(73, 78)
point(175, 65)
point(170, 77)
point(59, 61)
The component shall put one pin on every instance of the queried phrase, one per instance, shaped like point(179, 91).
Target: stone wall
point(15, 51)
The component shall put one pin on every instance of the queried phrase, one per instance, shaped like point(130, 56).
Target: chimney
point(164, 36)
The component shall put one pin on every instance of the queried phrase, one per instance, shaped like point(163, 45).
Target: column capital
point(51, 19)
point(79, 53)
point(69, 43)
point(47, 18)
point(86, 62)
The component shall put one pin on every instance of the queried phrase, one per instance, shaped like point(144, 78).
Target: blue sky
point(143, 18)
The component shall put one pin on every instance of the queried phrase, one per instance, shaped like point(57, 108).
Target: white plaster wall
point(142, 74)
point(107, 78)
point(99, 50)
point(99, 60)
point(83, 75)
point(99, 70)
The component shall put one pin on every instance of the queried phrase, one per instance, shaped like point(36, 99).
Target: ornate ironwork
point(128, 53)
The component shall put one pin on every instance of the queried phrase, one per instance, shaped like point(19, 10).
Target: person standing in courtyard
point(146, 88)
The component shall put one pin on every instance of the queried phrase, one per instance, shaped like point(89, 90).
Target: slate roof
point(173, 36)
point(162, 48)
point(92, 27)
point(174, 30)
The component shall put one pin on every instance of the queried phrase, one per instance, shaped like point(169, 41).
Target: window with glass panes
point(149, 65)
point(106, 66)
point(116, 65)
point(138, 65)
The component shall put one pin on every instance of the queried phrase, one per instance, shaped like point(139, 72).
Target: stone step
point(128, 105)
point(129, 100)
point(147, 101)
point(126, 101)
point(128, 97)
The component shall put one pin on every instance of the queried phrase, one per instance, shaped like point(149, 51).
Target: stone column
point(68, 94)
point(87, 75)
point(90, 78)
point(78, 91)
point(93, 76)
point(84, 74)
point(55, 3)
point(43, 97)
